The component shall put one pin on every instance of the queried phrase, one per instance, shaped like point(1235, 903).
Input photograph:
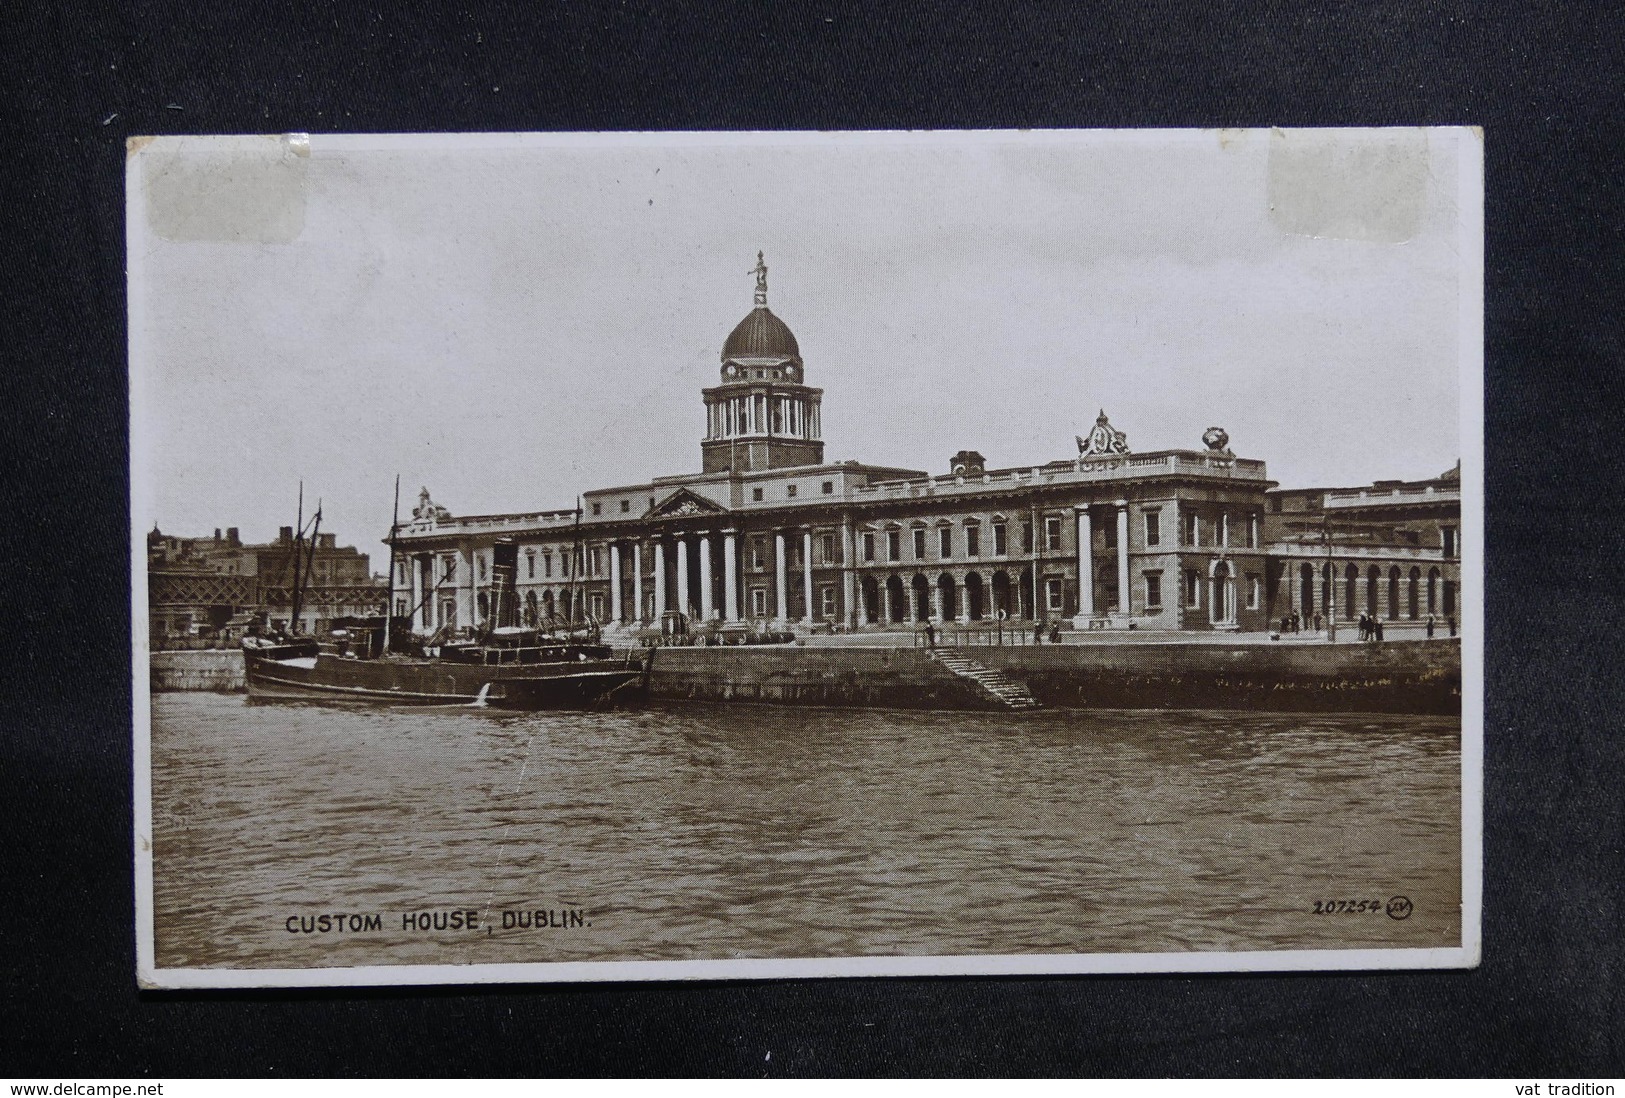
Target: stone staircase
point(996, 684)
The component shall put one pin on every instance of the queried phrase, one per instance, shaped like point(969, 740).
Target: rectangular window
point(756, 495)
point(758, 550)
point(1255, 588)
point(597, 606)
point(1193, 528)
point(973, 541)
point(1252, 532)
point(547, 565)
point(598, 508)
point(1193, 588)
point(564, 566)
point(1052, 595)
point(894, 545)
point(868, 548)
point(826, 548)
point(826, 602)
point(1026, 537)
point(530, 565)
point(1448, 538)
point(1052, 533)
point(1153, 528)
point(1001, 540)
point(450, 570)
point(758, 602)
point(400, 608)
point(919, 543)
point(626, 506)
point(479, 561)
point(829, 487)
point(597, 561)
point(1153, 589)
point(945, 542)
point(790, 491)
point(1109, 535)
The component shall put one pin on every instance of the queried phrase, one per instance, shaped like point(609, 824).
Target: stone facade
point(770, 533)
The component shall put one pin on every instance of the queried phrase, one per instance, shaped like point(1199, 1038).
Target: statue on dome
point(1217, 440)
point(428, 510)
point(760, 271)
point(1103, 439)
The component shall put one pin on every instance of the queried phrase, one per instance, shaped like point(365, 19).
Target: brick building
point(197, 586)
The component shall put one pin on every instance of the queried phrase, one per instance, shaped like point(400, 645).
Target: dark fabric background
point(1547, 89)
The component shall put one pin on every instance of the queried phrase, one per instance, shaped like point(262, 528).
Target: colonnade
point(696, 550)
point(1086, 560)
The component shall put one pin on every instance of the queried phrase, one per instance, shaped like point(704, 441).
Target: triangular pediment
point(684, 502)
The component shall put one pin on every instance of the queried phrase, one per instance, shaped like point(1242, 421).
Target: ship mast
point(298, 535)
point(389, 599)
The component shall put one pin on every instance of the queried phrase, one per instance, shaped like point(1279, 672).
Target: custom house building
point(769, 533)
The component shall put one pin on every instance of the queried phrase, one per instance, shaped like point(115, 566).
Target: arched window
point(1433, 591)
point(1351, 588)
point(1413, 596)
point(1371, 591)
point(1393, 593)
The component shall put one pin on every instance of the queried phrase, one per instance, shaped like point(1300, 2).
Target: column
point(806, 574)
point(1086, 566)
point(465, 589)
point(637, 580)
point(961, 603)
point(416, 614)
point(615, 582)
point(660, 579)
point(849, 584)
point(730, 576)
point(683, 606)
point(1122, 557)
point(780, 608)
point(705, 575)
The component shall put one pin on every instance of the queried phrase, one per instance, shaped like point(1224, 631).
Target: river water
point(704, 832)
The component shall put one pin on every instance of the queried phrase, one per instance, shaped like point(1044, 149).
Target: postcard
point(707, 555)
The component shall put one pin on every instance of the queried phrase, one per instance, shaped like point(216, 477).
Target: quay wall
point(219, 670)
point(1397, 677)
point(1389, 678)
point(866, 678)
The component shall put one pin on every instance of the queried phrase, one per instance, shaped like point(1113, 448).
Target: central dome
point(761, 335)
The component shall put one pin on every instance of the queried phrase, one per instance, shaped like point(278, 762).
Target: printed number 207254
point(1347, 907)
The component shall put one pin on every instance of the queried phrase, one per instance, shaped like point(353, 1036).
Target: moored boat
point(512, 669)
point(561, 665)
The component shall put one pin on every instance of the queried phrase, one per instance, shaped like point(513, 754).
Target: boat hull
point(395, 681)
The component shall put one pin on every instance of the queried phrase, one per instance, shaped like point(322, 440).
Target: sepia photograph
point(577, 557)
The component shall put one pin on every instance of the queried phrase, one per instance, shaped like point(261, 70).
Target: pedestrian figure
point(1317, 623)
point(1379, 630)
point(1364, 626)
point(930, 635)
point(1055, 633)
point(1452, 621)
point(1038, 631)
point(1430, 627)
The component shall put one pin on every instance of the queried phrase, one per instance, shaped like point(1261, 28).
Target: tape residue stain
point(249, 190)
point(1349, 184)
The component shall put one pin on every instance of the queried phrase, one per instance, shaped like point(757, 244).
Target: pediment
point(684, 502)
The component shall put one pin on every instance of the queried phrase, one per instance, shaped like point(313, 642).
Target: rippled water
point(721, 832)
